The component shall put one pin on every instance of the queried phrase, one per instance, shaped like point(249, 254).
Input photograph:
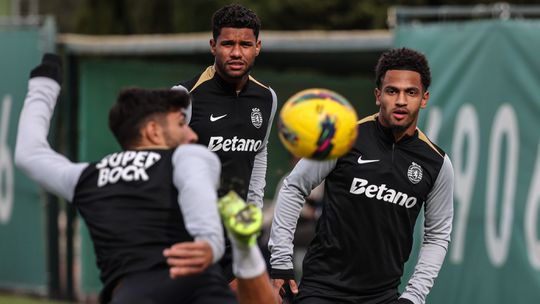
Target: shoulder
point(193, 83)
point(259, 83)
point(264, 93)
point(430, 145)
point(195, 164)
point(261, 87)
point(368, 120)
point(194, 152)
point(432, 157)
point(367, 125)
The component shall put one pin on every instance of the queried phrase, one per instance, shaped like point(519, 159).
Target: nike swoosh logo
point(212, 118)
point(366, 161)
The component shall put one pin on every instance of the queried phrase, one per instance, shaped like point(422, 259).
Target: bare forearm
point(255, 290)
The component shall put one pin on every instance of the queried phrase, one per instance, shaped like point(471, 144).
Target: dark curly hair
point(403, 59)
point(135, 106)
point(236, 16)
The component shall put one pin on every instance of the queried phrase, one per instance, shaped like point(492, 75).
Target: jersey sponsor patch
point(126, 166)
point(361, 186)
point(218, 143)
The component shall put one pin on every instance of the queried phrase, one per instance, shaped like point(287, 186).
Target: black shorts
point(156, 287)
point(331, 300)
point(319, 295)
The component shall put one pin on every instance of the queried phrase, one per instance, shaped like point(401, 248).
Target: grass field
point(11, 299)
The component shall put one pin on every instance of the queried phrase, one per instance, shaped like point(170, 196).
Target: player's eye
point(412, 92)
point(390, 91)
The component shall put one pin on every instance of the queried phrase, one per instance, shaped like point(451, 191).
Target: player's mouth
point(400, 114)
point(235, 65)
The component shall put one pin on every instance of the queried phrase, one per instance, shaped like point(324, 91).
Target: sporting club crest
point(256, 117)
point(414, 173)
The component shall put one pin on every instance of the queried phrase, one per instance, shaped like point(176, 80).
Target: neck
point(398, 135)
point(149, 147)
point(146, 144)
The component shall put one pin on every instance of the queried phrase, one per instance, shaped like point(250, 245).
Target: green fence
point(23, 254)
point(484, 111)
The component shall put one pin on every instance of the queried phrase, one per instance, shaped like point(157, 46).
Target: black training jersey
point(234, 125)
point(373, 196)
point(124, 241)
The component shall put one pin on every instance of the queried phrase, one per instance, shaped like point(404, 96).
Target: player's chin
point(236, 74)
point(399, 125)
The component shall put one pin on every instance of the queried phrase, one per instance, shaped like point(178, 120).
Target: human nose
point(401, 99)
point(192, 136)
point(236, 51)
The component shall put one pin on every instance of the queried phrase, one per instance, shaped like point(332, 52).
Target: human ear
point(152, 132)
point(258, 45)
point(213, 46)
point(377, 93)
point(425, 99)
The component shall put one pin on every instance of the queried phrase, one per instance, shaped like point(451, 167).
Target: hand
point(188, 258)
point(50, 66)
point(279, 288)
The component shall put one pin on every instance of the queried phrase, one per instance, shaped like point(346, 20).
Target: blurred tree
point(194, 16)
point(171, 16)
point(125, 17)
point(63, 10)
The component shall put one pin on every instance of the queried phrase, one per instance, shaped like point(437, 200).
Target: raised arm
point(33, 154)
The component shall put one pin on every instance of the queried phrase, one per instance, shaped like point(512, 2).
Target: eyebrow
point(404, 89)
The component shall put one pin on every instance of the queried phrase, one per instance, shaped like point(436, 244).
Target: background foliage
point(177, 16)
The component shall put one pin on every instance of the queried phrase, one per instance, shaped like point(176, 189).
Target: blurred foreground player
point(372, 198)
point(148, 206)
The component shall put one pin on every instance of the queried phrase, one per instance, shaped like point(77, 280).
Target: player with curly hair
point(232, 112)
point(373, 196)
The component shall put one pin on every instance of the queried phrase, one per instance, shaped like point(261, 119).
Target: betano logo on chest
point(382, 193)
point(217, 143)
point(127, 166)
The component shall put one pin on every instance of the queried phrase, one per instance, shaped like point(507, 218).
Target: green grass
point(12, 299)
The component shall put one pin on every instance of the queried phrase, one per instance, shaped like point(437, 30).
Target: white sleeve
point(189, 108)
point(258, 174)
point(196, 176)
point(305, 176)
point(437, 228)
point(258, 179)
point(33, 154)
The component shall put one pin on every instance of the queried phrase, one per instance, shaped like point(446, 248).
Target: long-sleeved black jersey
point(364, 236)
point(234, 125)
point(129, 201)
